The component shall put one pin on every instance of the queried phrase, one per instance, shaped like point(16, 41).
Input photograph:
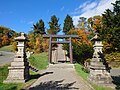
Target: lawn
point(84, 75)
point(37, 60)
point(8, 48)
point(12, 86)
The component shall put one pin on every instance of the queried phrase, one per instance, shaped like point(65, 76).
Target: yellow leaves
point(45, 44)
point(107, 47)
point(96, 22)
point(5, 40)
point(14, 44)
point(82, 35)
point(37, 41)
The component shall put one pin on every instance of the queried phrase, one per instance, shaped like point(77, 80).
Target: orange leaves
point(95, 22)
point(5, 40)
point(83, 36)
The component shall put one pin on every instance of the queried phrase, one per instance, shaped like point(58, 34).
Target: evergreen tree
point(39, 27)
point(54, 27)
point(68, 24)
point(110, 31)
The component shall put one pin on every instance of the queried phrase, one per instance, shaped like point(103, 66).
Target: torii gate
point(60, 42)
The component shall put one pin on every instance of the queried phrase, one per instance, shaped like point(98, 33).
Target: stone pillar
point(99, 70)
point(70, 48)
point(19, 69)
point(50, 50)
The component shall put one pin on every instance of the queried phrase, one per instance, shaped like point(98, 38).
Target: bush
point(80, 52)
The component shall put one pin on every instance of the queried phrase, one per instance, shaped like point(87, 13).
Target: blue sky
point(20, 15)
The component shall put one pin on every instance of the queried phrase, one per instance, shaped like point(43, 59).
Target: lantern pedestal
point(19, 69)
point(99, 70)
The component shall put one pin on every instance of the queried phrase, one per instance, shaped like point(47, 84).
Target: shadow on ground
point(116, 81)
point(36, 76)
point(54, 85)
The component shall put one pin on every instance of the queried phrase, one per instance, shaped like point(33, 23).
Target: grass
point(37, 60)
point(40, 61)
point(8, 48)
point(11, 86)
point(84, 75)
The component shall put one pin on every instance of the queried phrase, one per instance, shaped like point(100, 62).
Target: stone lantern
point(19, 69)
point(99, 70)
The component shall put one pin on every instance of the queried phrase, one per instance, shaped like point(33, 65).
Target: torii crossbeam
point(60, 42)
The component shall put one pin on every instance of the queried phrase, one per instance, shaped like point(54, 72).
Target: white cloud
point(89, 6)
point(89, 9)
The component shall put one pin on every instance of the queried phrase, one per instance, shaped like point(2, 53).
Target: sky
point(20, 15)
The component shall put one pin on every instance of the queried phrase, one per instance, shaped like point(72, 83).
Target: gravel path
point(6, 57)
point(60, 77)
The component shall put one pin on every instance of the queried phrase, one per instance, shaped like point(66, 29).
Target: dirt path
point(60, 77)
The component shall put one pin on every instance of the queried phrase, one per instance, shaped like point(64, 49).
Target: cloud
point(62, 8)
point(88, 6)
point(89, 9)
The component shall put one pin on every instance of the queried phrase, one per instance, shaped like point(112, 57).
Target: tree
point(6, 36)
point(68, 24)
point(110, 31)
point(39, 27)
point(5, 41)
point(82, 48)
point(54, 27)
point(94, 23)
point(81, 23)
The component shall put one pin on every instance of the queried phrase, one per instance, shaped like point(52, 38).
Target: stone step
point(61, 65)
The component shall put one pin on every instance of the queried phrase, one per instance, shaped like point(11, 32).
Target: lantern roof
point(21, 38)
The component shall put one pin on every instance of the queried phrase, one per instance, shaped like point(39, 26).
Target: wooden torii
point(60, 42)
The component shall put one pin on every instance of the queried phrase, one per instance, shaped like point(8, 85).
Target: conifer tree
point(54, 27)
point(68, 24)
point(39, 27)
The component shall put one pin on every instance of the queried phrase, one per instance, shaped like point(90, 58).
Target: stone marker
point(19, 69)
point(99, 70)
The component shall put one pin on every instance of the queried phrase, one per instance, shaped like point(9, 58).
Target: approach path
point(61, 53)
point(6, 57)
point(60, 76)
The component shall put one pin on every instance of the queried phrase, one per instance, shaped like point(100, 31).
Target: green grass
point(84, 75)
point(12, 86)
point(40, 61)
point(79, 70)
point(37, 60)
point(3, 76)
point(7, 48)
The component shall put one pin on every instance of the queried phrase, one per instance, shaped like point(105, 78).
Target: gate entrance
point(54, 39)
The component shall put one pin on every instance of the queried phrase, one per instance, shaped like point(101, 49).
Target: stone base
point(102, 83)
point(17, 74)
point(101, 78)
point(14, 81)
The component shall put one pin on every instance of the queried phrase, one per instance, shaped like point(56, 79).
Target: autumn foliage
point(82, 35)
point(82, 47)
